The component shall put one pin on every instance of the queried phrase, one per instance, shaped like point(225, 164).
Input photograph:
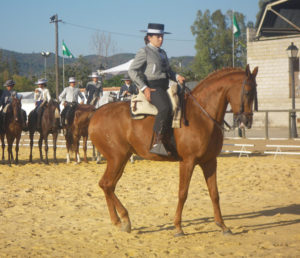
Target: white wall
point(273, 82)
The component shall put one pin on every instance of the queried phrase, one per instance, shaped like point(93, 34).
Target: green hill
point(33, 64)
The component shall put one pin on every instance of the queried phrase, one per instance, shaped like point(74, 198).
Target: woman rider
point(151, 72)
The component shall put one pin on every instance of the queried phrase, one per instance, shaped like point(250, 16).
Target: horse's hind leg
point(210, 174)
point(113, 172)
point(84, 146)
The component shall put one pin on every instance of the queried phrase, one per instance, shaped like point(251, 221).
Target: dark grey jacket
point(150, 63)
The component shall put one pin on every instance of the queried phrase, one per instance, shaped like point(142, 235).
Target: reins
point(189, 92)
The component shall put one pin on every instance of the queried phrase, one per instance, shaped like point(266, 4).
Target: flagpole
point(232, 40)
point(63, 71)
point(63, 65)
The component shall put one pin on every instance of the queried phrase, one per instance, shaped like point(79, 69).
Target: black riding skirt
point(160, 99)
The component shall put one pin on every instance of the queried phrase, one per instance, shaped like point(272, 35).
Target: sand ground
point(59, 210)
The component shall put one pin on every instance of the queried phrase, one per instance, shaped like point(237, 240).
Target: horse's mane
point(218, 74)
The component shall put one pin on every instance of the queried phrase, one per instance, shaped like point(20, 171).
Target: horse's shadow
point(293, 209)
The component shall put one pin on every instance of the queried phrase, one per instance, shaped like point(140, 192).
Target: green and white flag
point(66, 51)
point(236, 28)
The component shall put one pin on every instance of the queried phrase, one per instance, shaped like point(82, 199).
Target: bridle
point(237, 116)
point(245, 93)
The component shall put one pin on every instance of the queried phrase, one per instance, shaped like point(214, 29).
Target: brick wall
point(273, 79)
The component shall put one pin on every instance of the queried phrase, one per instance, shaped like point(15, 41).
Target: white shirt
point(71, 94)
point(42, 94)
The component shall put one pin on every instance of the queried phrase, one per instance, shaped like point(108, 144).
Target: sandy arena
point(59, 210)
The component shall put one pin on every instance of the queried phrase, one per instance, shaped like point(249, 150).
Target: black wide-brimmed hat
point(9, 83)
point(156, 28)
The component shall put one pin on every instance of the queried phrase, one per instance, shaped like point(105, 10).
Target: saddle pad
point(139, 105)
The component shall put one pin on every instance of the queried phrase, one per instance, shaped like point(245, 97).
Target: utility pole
point(54, 19)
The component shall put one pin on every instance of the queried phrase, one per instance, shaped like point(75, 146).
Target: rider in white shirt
point(41, 96)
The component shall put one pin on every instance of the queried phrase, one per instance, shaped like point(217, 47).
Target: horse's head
point(243, 98)
point(16, 108)
point(53, 105)
point(53, 111)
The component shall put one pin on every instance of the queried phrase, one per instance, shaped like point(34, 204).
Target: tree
point(261, 4)
point(214, 42)
point(113, 81)
point(80, 70)
point(14, 66)
point(104, 47)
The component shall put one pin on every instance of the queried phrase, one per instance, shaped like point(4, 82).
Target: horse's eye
point(247, 93)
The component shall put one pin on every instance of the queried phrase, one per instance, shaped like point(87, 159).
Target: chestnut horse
point(12, 129)
point(78, 128)
point(198, 142)
point(49, 124)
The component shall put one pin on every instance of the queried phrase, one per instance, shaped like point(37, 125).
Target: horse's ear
point(248, 72)
point(254, 73)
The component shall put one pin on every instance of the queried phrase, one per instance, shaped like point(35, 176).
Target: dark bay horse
point(199, 142)
point(78, 129)
point(2, 136)
point(49, 125)
point(12, 129)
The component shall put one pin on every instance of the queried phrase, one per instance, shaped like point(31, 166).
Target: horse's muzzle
point(243, 120)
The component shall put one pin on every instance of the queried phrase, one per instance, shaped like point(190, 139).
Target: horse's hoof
point(179, 234)
point(227, 232)
point(126, 227)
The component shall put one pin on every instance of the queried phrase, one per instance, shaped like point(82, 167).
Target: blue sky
point(25, 27)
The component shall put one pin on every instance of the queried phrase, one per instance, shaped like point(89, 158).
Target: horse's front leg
point(210, 174)
point(31, 135)
point(186, 171)
point(3, 148)
point(9, 149)
point(84, 146)
point(40, 147)
point(68, 153)
point(94, 153)
point(54, 137)
point(76, 149)
point(17, 149)
point(46, 149)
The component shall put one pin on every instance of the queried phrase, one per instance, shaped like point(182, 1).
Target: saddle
point(140, 107)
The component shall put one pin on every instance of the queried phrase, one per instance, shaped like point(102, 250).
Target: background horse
point(199, 142)
point(2, 135)
point(77, 129)
point(49, 124)
point(12, 129)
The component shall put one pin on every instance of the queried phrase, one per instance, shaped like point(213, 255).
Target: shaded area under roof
point(279, 18)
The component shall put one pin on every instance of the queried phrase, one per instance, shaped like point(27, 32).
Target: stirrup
point(159, 149)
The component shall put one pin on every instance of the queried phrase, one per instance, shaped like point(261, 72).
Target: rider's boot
point(158, 146)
